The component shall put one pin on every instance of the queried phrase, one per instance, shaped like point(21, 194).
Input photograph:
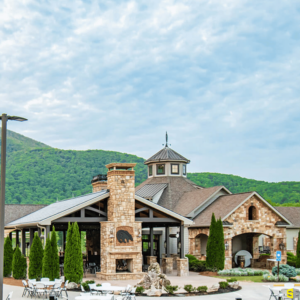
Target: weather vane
point(166, 140)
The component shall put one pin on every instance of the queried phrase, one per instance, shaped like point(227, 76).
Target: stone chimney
point(121, 185)
point(99, 183)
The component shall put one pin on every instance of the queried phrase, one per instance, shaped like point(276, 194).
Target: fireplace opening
point(124, 265)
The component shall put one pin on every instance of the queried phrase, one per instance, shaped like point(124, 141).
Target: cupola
point(167, 162)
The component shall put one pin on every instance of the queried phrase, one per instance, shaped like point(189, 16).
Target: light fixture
point(177, 234)
point(149, 244)
point(179, 245)
point(282, 246)
point(226, 245)
point(165, 244)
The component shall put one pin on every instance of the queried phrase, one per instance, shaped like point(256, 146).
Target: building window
point(252, 213)
point(160, 169)
point(184, 169)
point(175, 169)
point(150, 171)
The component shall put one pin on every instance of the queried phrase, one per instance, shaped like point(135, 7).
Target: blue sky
point(222, 77)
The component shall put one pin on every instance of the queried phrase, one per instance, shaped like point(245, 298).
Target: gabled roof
point(224, 206)
point(291, 213)
point(56, 210)
point(195, 198)
point(150, 190)
point(166, 154)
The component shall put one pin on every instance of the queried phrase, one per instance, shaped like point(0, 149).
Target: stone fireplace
point(121, 245)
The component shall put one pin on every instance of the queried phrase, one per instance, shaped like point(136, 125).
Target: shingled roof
point(291, 213)
point(166, 154)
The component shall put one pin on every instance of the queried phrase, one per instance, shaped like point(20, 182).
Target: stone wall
point(99, 186)
point(265, 224)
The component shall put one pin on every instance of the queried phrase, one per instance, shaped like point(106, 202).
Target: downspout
point(44, 233)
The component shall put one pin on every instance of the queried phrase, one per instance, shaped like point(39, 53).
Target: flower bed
point(243, 272)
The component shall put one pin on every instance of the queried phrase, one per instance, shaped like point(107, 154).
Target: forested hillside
point(37, 173)
point(277, 193)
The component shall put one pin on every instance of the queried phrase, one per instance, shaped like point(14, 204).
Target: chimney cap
point(100, 177)
point(117, 166)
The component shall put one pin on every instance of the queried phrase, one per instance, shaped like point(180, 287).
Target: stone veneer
point(99, 186)
point(182, 267)
point(120, 216)
point(151, 260)
point(265, 224)
point(167, 265)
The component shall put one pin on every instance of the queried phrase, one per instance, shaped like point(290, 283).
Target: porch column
point(64, 241)
point(151, 258)
point(182, 241)
point(10, 235)
point(47, 232)
point(17, 237)
point(39, 232)
point(228, 254)
point(168, 241)
point(23, 239)
point(31, 233)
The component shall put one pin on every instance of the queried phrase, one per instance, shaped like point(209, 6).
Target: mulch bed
point(12, 281)
point(208, 273)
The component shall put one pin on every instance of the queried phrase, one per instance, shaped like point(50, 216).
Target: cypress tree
point(36, 258)
point(54, 254)
point(220, 260)
point(211, 250)
point(8, 257)
point(47, 265)
point(19, 265)
point(73, 264)
point(68, 262)
point(298, 252)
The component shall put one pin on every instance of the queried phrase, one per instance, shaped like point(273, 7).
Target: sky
point(222, 77)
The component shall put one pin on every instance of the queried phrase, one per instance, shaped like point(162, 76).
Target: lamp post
point(4, 119)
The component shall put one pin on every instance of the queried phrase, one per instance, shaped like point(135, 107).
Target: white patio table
point(93, 297)
point(45, 283)
point(110, 288)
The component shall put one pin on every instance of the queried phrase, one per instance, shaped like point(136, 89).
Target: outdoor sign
point(278, 255)
point(290, 293)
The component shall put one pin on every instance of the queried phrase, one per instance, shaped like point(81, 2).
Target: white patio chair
point(31, 288)
point(64, 289)
point(126, 293)
point(56, 289)
point(26, 288)
point(9, 296)
point(40, 289)
point(107, 288)
point(45, 279)
point(92, 289)
point(132, 294)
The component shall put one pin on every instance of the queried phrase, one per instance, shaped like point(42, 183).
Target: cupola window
point(175, 169)
point(160, 169)
point(150, 170)
point(184, 169)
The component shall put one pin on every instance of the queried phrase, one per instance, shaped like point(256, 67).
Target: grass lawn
point(243, 278)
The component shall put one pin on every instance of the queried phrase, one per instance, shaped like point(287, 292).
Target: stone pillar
point(182, 267)
point(175, 256)
point(228, 254)
point(255, 248)
point(167, 265)
point(151, 259)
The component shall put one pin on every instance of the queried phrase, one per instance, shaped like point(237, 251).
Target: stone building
point(162, 219)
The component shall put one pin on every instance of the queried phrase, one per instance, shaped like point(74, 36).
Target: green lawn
point(243, 278)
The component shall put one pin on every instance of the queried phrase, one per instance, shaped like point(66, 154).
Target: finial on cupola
point(166, 139)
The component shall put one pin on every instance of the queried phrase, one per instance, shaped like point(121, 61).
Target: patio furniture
point(64, 289)
point(31, 289)
point(93, 297)
point(127, 291)
point(92, 287)
point(45, 279)
point(56, 289)
point(26, 288)
point(9, 296)
point(132, 294)
point(40, 289)
point(92, 268)
point(273, 295)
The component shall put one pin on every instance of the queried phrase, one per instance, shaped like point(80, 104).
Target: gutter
point(44, 233)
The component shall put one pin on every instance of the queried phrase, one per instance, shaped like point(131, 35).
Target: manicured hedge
point(285, 270)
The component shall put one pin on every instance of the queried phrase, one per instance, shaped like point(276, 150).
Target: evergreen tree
point(19, 265)
point(36, 258)
point(220, 260)
point(211, 250)
point(8, 257)
point(73, 264)
point(298, 252)
point(68, 262)
point(47, 265)
point(55, 258)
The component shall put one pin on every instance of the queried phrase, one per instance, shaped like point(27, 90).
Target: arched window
point(252, 215)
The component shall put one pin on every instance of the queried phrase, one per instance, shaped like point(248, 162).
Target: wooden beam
point(80, 220)
point(96, 210)
point(141, 209)
point(157, 220)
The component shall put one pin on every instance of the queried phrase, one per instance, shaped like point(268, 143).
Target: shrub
point(19, 264)
point(171, 289)
point(258, 272)
point(8, 257)
point(198, 266)
point(202, 289)
point(54, 255)
point(36, 258)
point(273, 278)
point(298, 252)
point(264, 254)
point(297, 271)
point(189, 288)
point(139, 290)
point(86, 284)
point(191, 257)
point(285, 270)
point(47, 264)
point(223, 284)
point(265, 272)
point(231, 280)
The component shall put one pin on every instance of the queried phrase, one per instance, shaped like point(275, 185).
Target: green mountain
point(16, 142)
point(37, 173)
